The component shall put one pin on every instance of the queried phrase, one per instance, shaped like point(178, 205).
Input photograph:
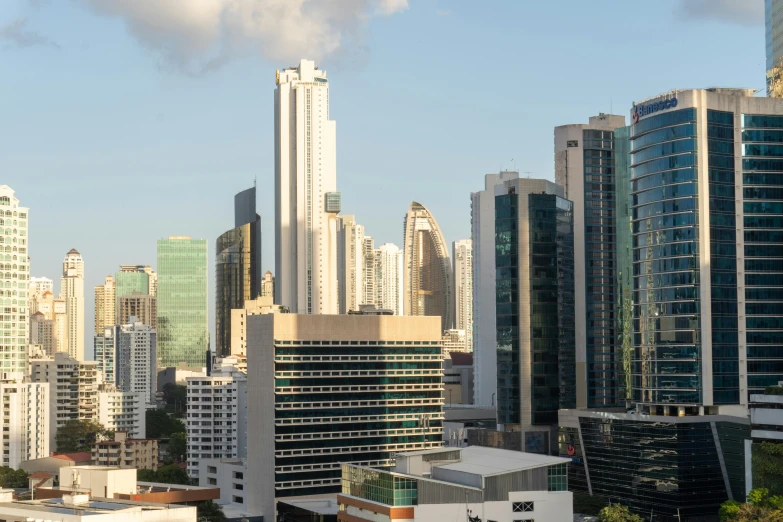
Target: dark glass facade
point(762, 186)
point(662, 468)
point(624, 270)
point(667, 334)
point(549, 301)
point(603, 361)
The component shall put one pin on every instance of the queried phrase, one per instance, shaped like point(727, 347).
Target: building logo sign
point(640, 111)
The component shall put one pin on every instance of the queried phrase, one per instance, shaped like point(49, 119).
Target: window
point(239, 475)
point(239, 486)
point(212, 481)
point(572, 143)
point(211, 469)
point(238, 500)
point(522, 507)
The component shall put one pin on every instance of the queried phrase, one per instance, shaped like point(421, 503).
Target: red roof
point(81, 456)
point(461, 359)
point(41, 475)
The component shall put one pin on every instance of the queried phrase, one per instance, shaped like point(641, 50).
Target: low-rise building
point(458, 378)
point(459, 483)
point(125, 452)
point(53, 464)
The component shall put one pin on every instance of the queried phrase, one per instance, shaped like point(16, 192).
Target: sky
point(124, 121)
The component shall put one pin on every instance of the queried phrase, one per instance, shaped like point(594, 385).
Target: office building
point(535, 303)
point(454, 341)
point(25, 420)
point(585, 168)
point(65, 375)
point(136, 278)
point(268, 285)
point(217, 417)
point(427, 278)
point(389, 290)
point(472, 483)
point(182, 301)
point(126, 452)
point(142, 306)
point(237, 266)
point(306, 197)
point(72, 293)
point(121, 411)
point(354, 405)
point(462, 254)
point(369, 262)
point(482, 236)
point(350, 263)
point(105, 302)
point(42, 333)
point(15, 278)
point(136, 360)
point(773, 15)
point(458, 378)
point(258, 306)
point(105, 354)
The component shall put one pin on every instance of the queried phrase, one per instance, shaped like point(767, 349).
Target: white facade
point(217, 417)
point(230, 475)
point(454, 341)
point(62, 372)
point(137, 360)
point(389, 277)
point(482, 222)
point(122, 411)
point(306, 197)
point(368, 296)
point(14, 279)
point(462, 254)
point(39, 286)
point(350, 264)
point(25, 420)
point(72, 292)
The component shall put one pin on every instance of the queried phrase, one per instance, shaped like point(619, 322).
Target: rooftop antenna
point(528, 172)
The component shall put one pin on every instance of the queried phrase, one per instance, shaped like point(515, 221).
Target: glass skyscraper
point(237, 267)
point(182, 301)
point(773, 14)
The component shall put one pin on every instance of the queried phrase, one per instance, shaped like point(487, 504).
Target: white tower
point(72, 292)
point(350, 263)
point(462, 253)
point(306, 197)
point(389, 276)
point(14, 279)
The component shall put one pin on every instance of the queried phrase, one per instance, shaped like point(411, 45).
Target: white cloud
point(743, 12)
point(199, 35)
point(17, 34)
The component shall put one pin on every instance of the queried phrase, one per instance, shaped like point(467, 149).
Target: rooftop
point(82, 456)
point(95, 506)
point(479, 460)
point(321, 506)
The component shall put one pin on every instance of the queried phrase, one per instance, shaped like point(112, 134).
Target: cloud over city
point(743, 12)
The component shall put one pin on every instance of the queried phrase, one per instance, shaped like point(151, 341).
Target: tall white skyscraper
point(15, 281)
point(389, 276)
point(350, 264)
point(462, 253)
point(368, 271)
point(306, 197)
point(72, 292)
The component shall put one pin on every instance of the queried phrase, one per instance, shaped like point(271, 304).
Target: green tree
point(617, 513)
point(160, 424)
point(178, 444)
point(767, 458)
point(79, 435)
point(760, 507)
point(171, 474)
point(176, 397)
point(12, 478)
point(208, 511)
point(146, 475)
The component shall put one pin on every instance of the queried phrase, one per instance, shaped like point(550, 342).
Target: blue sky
point(120, 125)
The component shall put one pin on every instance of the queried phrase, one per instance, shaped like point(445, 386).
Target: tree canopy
point(175, 397)
point(13, 478)
point(178, 444)
point(169, 474)
point(760, 507)
point(208, 511)
point(618, 513)
point(79, 435)
point(160, 424)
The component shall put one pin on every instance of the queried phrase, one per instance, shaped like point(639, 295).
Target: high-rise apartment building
point(268, 285)
point(105, 354)
point(42, 333)
point(119, 410)
point(72, 293)
point(462, 254)
point(139, 305)
point(428, 277)
point(258, 306)
point(38, 287)
point(773, 15)
point(369, 262)
point(534, 292)
point(137, 360)
point(15, 278)
point(182, 301)
point(237, 266)
point(306, 197)
point(105, 302)
point(353, 406)
point(585, 168)
point(350, 263)
point(25, 420)
point(482, 235)
point(135, 278)
point(217, 417)
point(389, 277)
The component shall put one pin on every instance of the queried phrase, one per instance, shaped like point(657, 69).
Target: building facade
point(42, 333)
point(136, 360)
point(350, 263)
point(72, 292)
point(135, 278)
point(389, 275)
point(306, 197)
point(268, 285)
point(105, 302)
point(534, 291)
point(329, 389)
point(124, 452)
point(261, 305)
point(585, 168)
point(15, 277)
point(25, 420)
point(105, 354)
point(237, 266)
point(462, 254)
point(182, 301)
point(121, 411)
point(428, 274)
point(482, 235)
point(144, 307)
point(773, 16)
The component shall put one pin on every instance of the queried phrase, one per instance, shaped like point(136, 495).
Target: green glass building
point(182, 301)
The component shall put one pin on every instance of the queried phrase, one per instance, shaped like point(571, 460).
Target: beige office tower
point(42, 333)
point(139, 305)
point(350, 266)
point(60, 318)
point(268, 285)
point(428, 274)
point(462, 255)
point(36, 290)
point(72, 292)
point(104, 305)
